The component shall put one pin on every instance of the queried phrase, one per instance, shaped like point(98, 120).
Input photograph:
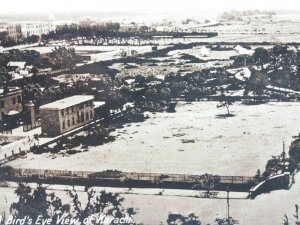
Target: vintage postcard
point(149, 112)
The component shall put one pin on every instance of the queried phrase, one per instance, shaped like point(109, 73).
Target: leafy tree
point(32, 92)
point(257, 84)
point(225, 102)
point(62, 57)
point(34, 203)
point(296, 221)
point(260, 57)
point(144, 29)
point(165, 94)
point(114, 27)
point(97, 205)
point(178, 219)
point(115, 101)
point(226, 221)
point(207, 182)
point(275, 165)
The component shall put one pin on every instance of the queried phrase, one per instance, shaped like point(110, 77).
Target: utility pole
point(228, 205)
point(283, 151)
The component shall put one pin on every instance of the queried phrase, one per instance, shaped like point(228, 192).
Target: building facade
point(14, 32)
point(66, 114)
point(35, 28)
point(19, 30)
point(10, 102)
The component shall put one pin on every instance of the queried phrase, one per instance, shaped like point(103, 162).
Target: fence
point(28, 127)
point(15, 147)
point(121, 176)
point(54, 72)
point(5, 132)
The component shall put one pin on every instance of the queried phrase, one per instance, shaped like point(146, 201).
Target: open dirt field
point(191, 141)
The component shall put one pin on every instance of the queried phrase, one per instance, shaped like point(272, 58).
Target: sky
point(156, 6)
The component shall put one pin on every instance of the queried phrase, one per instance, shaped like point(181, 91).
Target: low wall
point(277, 182)
point(20, 144)
point(122, 179)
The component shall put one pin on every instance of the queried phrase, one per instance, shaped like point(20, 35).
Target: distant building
point(66, 114)
point(10, 102)
point(14, 32)
point(132, 27)
point(38, 29)
point(18, 30)
point(3, 34)
point(16, 65)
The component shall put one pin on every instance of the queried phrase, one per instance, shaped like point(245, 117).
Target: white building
point(18, 30)
point(66, 114)
point(37, 28)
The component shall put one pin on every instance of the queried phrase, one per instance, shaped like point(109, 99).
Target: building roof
point(204, 50)
point(243, 51)
point(67, 102)
point(10, 91)
point(16, 64)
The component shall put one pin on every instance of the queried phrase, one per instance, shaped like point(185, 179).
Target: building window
point(91, 114)
point(19, 99)
point(78, 117)
point(73, 121)
point(69, 123)
point(87, 116)
point(64, 126)
point(14, 101)
point(72, 108)
point(2, 104)
point(67, 110)
point(82, 117)
point(62, 112)
point(81, 106)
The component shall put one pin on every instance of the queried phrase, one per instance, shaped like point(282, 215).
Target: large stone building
point(10, 102)
point(36, 28)
point(66, 114)
point(14, 32)
point(19, 30)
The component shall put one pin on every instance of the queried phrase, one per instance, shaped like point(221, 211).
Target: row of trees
point(39, 96)
point(59, 58)
point(34, 203)
point(238, 15)
point(31, 57)
point(73, 31)
point(8, 42)
point(277, 66)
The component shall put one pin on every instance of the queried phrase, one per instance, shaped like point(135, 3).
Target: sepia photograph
point(128, 112)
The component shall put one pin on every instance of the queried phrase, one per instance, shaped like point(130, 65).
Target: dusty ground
point(191, 141)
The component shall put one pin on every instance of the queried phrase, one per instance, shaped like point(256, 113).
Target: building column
point(30, 107)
